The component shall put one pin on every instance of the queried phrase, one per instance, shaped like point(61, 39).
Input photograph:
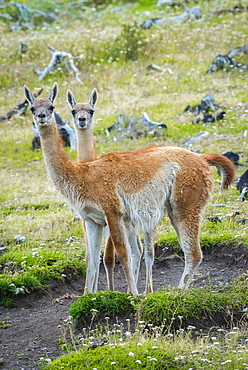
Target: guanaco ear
point(93, 97)
point(28, 95)
point(53, 92)
point(70, 98)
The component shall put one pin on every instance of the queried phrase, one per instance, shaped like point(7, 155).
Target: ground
point(33, 332)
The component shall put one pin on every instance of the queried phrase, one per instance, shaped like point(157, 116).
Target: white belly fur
point(145, 208)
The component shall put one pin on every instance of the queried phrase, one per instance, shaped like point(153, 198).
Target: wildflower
point(154, 347)
point(180, 330)
point(179, 358)
point(139, 344)
point(128, 333)
point(93, 299)
point(153, 359)
point(138, 361)
point(131, 354)
point(113, 363)
point(93, 310)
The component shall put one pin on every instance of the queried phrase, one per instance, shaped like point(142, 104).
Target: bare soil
point(33, 332)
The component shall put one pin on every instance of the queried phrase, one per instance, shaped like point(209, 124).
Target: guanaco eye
point(73, 112)
point(91, 111)
point(51, 108)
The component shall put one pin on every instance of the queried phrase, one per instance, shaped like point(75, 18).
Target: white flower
point(138, 361)
point(131, 354)
point(113, 363)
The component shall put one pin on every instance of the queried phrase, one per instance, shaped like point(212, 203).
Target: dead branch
point(57, 57)
point(19, 109)
point(226, 62)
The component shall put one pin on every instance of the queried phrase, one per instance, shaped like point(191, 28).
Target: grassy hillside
point(113, 54)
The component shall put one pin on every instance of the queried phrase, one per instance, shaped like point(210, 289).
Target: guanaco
point(131, 191)
point(83, 119)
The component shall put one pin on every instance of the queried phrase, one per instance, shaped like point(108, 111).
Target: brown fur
point(117, 183)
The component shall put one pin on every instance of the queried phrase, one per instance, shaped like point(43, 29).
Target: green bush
point(107, 303)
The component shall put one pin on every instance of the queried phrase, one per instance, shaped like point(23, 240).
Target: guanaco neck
point(86, 150)
point(61, 170)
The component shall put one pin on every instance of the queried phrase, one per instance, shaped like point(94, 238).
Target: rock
point(208, 118)
point(242, 186)
point(220, 115)
point(148, 122)
point(19, 239)
point(232, 156)
point(214, 219)
point(196, 139)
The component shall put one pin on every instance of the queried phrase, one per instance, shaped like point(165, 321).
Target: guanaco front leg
point(93, 248)
point(149, 260)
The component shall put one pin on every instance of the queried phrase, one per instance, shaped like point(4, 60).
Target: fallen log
point(57, 57)
point(19, 109)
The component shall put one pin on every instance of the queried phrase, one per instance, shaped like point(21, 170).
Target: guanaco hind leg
point(120, 240)
point(187, 230)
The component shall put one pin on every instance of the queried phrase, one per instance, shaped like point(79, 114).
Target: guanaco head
point(82, 112)
point(42, 108)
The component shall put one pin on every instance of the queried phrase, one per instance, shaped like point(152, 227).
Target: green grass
point(165, 334)
point(178, 351)
point(23, 272)
point(171, 307)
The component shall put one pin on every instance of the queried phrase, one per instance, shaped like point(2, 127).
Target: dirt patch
point(33, 332)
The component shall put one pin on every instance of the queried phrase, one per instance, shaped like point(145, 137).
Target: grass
point(115, 53)
point(171, 307)
point(177, 351)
